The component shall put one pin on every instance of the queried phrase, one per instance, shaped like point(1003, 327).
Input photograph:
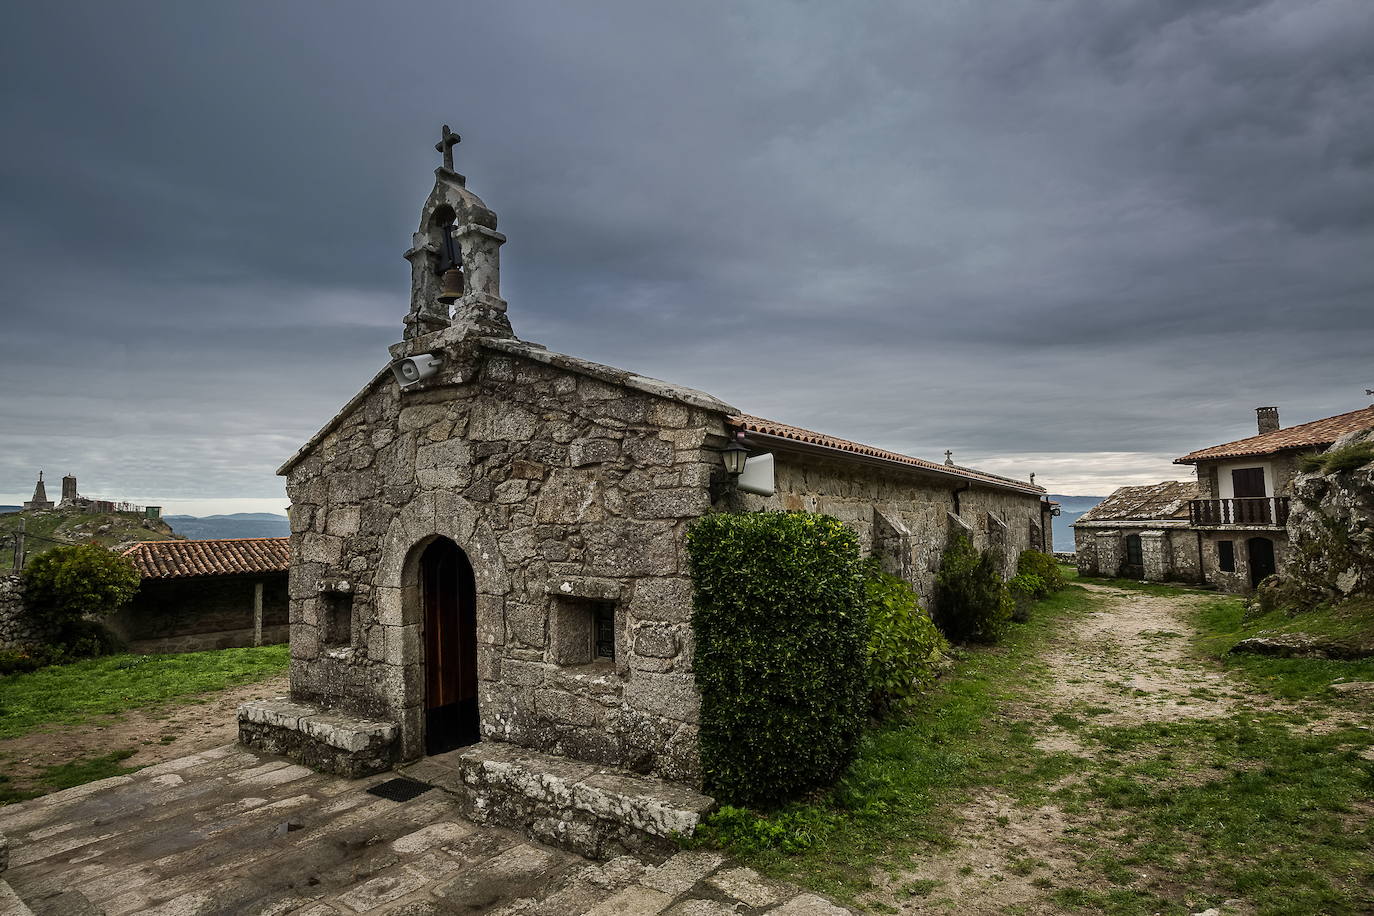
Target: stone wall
point(189, 615)
point(563, 490)
point(1168, 554)
point(880, 505)
point(17, 630)
point(1332, 524)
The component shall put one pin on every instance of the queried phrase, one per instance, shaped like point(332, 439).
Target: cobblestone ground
point(232, 831)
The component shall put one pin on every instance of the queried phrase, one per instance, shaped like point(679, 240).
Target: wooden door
point(449, 596)
point(1248, 484)
point(1261, 551)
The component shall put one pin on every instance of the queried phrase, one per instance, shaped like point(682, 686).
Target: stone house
point(488, 540)
point(1237, 519)
point(208, 594)
point(1140, 533)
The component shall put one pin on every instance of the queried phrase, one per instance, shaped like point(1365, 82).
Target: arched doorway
point(448, 598)
point(1261, 553)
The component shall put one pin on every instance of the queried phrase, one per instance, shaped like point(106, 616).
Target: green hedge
point(1044, 567)
point(905, 650)
point(782, 636)
point(972, 603)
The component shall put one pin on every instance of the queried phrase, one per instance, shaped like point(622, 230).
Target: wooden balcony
point(1263, 510)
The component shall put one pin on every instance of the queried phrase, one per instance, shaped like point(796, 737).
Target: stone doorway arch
point(448, 636)
point(400, 609)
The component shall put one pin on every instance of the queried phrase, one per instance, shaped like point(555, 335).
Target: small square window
point(604, 631)
point(1226, 556)
point(584, 631)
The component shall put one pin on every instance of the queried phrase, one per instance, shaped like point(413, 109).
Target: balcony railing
point(1263, 510)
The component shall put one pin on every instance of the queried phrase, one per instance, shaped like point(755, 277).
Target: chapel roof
point(847, 448)
point(1165, 500)
point(1305, 435)
point(691, 396)
point(212, 557)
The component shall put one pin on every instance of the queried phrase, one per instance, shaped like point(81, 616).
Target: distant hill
point(43, 530)
point(238, 525)
point(1071, 507)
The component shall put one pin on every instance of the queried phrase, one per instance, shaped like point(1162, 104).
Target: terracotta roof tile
point(1305, 435)
point(218, 557)
point(809, 437)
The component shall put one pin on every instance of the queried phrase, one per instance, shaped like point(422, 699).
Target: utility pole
point(19, 546)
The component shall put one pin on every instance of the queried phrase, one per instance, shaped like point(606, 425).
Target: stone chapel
point(487, 541)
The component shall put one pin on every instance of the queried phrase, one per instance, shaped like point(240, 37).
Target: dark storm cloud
point(1072, 236)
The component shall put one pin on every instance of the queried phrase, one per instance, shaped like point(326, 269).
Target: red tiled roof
point(809, 437)
point(219, 557)
point(1305, 435)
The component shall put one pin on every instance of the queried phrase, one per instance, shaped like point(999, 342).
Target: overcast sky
point(1075, 238)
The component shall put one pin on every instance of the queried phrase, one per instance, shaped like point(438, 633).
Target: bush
point(69, 588)
point(971, 601)
point(1025, 590)
point(1043, 567)
point(905, 649)
point(781, 642)
point(1338, 460)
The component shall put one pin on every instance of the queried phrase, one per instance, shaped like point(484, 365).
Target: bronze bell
point(451, 286)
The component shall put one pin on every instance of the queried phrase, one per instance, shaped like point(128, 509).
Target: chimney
point(1268, 419)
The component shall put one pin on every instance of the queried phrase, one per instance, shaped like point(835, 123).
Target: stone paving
point(233, 831)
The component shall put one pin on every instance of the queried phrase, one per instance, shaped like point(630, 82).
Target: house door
point(1248, 484)
point(448, 594)
point(1261, 551)
point(1134, 567)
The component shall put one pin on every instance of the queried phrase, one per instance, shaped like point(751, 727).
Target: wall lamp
point(734, 455)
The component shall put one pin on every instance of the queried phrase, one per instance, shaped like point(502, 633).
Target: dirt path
point(1126, 663)
point(156, 734)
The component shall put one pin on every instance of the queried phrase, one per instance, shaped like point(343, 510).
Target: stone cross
point(445, 146)
point(949, 457)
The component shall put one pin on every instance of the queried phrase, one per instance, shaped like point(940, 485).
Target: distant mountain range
point(1071, 507)
point(238, 525)
point(270, 525)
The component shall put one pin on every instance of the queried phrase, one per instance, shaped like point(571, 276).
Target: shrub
point(781, 640)
point(1025, 590)
point(1339, 460)
point(68, 588)
point(905, 649)
point(1042, 566)
point(971, 601)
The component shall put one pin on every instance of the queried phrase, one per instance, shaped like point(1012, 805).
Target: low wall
point(16, 629)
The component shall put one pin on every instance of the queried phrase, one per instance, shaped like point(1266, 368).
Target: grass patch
point(1222, 624)
point(899, 796)
point(65, 775)
point(78, 692)
point(1243, 806)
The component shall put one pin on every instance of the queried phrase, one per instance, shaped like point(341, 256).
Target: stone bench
point(593, 810)
point(323, 739)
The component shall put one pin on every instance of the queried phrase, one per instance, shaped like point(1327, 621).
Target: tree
point(67, 589)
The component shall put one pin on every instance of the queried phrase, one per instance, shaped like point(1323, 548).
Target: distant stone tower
point(68, 489)
point(40, 501)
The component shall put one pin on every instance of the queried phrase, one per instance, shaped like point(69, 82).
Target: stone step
point(323, 739)
point(593, 810)
point(10, 904)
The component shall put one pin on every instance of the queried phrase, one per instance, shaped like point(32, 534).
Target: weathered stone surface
point(325, 740)
point(1298, 645)
point(593, 810)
